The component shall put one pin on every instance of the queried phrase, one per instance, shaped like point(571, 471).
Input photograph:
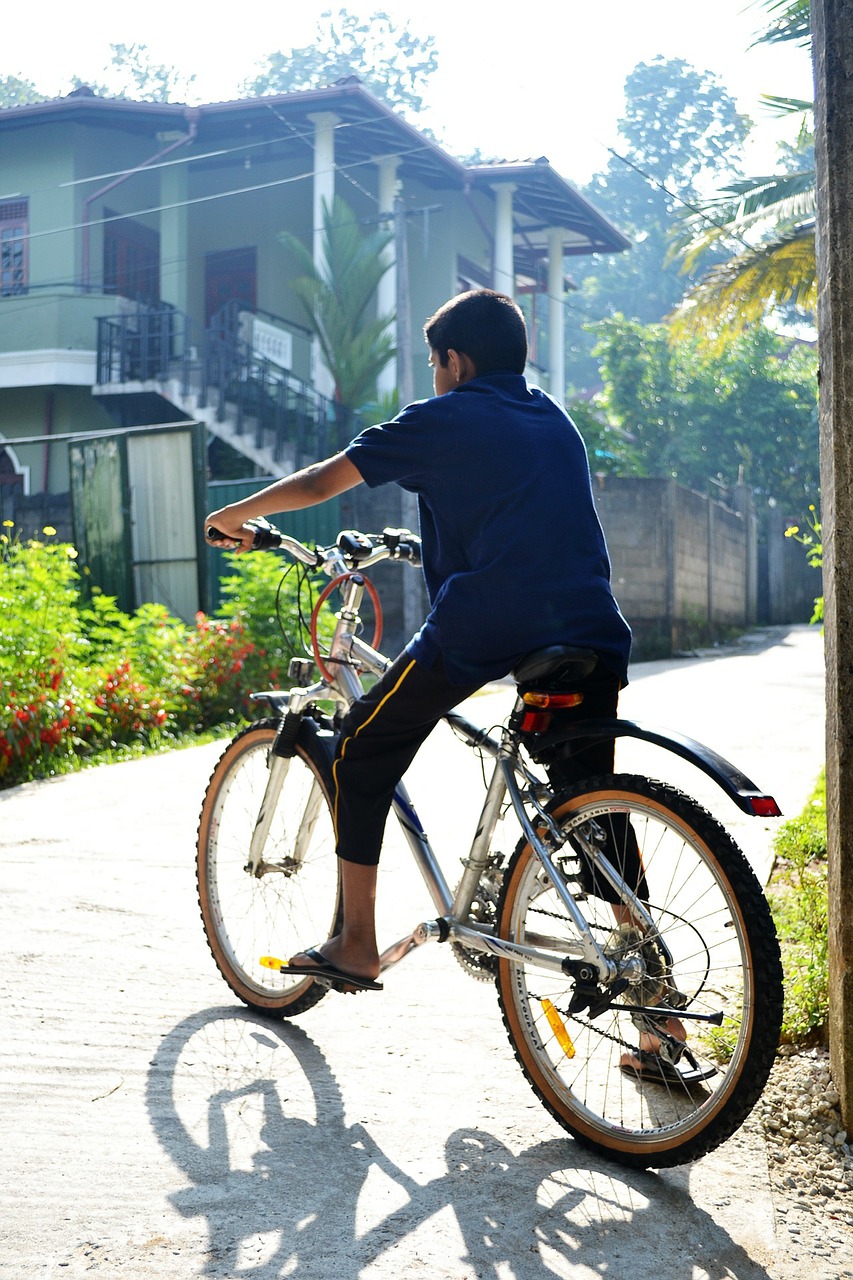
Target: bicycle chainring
point(484, 910)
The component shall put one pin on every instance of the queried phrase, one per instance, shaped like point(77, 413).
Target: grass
point(798, 900)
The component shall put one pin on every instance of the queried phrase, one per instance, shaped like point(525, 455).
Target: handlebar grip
point(266, 536)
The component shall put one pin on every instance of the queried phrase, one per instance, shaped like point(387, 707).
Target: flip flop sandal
point(322, 970)
point(652, 1067)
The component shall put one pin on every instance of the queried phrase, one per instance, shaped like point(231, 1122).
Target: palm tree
point(769, 222)
point(338, 300)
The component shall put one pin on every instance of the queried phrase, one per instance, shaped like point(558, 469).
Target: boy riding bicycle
point(514, 559)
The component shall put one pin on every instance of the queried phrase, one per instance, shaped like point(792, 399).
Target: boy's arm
point(317, 483)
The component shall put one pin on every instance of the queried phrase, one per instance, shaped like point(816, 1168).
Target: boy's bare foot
point(361, 964)
point(650, 1044)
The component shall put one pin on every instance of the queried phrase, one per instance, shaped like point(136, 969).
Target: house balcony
point(236, 379)
point(48, 336)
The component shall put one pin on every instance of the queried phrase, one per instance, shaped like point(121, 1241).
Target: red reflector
point(765, 807)
point(535, 721)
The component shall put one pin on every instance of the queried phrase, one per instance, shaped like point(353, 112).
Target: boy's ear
point(461, 366)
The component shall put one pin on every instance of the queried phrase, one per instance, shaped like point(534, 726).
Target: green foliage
point(394, 63)
point(798, 898)
point(80, 677)
point(678, 410)
point(338, 299)
point(812, 541)
point(134, 76)
point(679, 123)
point(15, 92)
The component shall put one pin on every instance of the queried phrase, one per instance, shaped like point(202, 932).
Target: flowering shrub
point(80, 676)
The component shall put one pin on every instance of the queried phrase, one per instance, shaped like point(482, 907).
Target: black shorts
point(380, 736)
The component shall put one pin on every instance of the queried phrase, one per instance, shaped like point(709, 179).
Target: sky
point(544, 78)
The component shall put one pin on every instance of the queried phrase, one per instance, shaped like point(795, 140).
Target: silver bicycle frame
point(349, 655)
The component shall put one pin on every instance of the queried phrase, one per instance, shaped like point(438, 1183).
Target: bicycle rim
point(718, 956)
point(295, 903)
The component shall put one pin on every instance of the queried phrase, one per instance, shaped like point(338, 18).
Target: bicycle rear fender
point(737, 786)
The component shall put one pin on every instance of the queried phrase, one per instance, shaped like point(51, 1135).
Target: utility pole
point(832, 37)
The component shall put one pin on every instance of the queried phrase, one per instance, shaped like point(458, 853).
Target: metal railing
point(265, 402)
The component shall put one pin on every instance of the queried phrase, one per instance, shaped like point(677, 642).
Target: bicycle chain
point(590, 1026)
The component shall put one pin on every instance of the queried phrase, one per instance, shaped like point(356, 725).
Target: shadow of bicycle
point(251, 1114)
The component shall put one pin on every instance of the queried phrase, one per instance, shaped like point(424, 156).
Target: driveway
point(151, 1127)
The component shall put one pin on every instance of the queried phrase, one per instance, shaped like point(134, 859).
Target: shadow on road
point(251, 1114)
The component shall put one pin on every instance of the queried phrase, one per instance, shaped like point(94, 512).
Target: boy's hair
point(486, 326)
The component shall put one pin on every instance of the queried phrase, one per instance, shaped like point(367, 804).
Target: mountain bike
point(618, 910)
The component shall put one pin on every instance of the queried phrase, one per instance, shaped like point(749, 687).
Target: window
point(14, 233)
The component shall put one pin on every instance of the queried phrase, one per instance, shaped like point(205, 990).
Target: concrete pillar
point(504, 264)
point(832, 34)
point(556, 316)
point(324, 194)
point(386, 295)
point(174, 247)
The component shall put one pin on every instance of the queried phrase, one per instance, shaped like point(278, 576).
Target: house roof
point(367, 130)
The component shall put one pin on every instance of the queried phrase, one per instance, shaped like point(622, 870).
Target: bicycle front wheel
point(711, 953)
point(293, 901)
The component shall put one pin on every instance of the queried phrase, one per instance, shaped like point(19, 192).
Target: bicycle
point(579, 980)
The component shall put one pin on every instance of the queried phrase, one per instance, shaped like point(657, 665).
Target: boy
point(514, 559)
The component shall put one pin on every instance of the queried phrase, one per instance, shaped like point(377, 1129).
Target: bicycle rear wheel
point(712, 952)
point(295, 903)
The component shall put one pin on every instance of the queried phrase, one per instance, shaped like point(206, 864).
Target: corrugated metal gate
point(138, 499)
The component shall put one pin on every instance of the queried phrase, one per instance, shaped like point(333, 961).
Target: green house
point(143, 284)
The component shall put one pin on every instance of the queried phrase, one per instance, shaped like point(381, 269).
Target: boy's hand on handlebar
point(229, 534)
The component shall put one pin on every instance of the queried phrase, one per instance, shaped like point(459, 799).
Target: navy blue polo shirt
point(513, 553)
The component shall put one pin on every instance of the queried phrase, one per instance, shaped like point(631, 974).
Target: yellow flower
point(8, 524)
point(71, 553)
point(49, 530)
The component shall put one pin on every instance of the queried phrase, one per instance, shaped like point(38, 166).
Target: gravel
point(810, 1159)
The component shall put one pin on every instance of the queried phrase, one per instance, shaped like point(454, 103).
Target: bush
point(79, 677)
point(798, 898)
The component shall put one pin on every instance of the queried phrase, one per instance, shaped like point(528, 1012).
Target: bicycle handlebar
point(355, 548)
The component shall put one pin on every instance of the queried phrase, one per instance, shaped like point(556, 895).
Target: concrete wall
point(683, 563)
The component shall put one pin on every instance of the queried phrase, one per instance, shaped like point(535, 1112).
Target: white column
point(324, 193)
point(386, 294)
point(174, 254)
point(556, 316)
point(504, 265)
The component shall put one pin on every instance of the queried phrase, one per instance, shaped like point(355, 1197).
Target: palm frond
point(792, 21)
point(747, 288)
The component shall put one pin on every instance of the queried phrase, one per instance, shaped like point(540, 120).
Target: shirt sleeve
point(393, 451)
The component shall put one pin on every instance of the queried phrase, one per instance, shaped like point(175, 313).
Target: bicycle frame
point(349, 655)
point(581, 958)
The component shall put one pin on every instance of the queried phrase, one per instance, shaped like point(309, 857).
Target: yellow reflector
point(555, 1022)
point(551, 700)
point(270, 962)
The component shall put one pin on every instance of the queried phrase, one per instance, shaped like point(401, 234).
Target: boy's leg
point(379, 738)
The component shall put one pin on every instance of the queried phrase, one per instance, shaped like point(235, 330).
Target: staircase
point(279, 422)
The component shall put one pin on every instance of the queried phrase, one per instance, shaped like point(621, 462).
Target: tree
point(680, 126)
point(338, 300)
point(135, 77)
point(15, 92)
point(765, 224)
point(394, 63)
point(705, 419)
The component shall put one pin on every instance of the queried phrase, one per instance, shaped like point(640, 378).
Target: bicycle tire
point(713, 919)
point(296, 903)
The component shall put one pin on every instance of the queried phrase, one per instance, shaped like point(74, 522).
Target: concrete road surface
point(151, 1127)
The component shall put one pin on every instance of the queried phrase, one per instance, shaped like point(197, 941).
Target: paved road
point(151, 1128)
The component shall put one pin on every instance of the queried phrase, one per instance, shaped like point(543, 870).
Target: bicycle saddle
point(555, 662)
